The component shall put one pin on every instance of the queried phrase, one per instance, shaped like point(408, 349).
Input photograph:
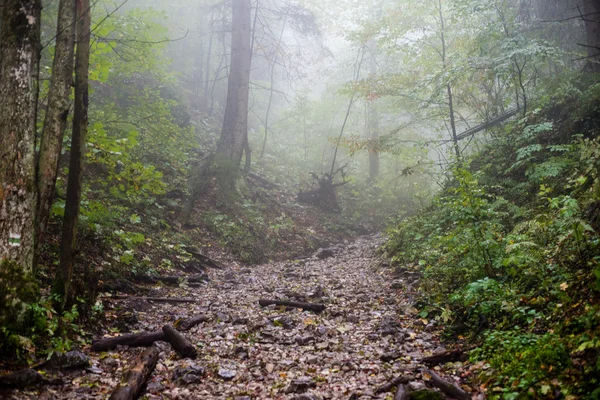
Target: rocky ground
point(368, 339)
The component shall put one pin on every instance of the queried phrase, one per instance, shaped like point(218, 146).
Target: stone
point(301, 385)
point(325, 253)
point(69, 360)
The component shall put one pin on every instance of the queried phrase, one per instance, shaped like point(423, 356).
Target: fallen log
point(449, 388)
point(25, 378)
point(187, 324)
point(132, 340)
point(209, 262)
point(171, 280)
point(386, 387)
point(136, 377)
point(445, 357)
point(305, 306)
point(155, 299)
point(264, 183)
point(179, 343)
point(402, 393)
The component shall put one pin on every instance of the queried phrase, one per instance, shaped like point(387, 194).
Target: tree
point(64, 273)
point(20, 47)
point(57, 112)
point(591, 17)
point(234, 134)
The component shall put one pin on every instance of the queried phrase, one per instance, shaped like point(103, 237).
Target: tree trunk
point(591, 10)
point(57, 112)
point(373, 119)
point(64, 273)
point(20, 49)
point(235, 123)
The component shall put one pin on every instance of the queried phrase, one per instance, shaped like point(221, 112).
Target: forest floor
point(368, 335)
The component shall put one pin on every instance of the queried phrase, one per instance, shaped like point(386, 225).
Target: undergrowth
point(509, 252)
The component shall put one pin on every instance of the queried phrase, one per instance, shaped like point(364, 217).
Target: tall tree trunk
point(20, 49)
point(591, 10)
point(57, 112)
point(448, 86)
point(64, 274)
point(235, 122)
point(271, 88)
point(373, 118)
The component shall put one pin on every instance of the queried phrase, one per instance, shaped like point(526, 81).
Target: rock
point(301, 385)
point(227, 374)
point(94, 370)
point(417, 386)
point(155, 387)
point(304, 340)
point(284, 321)
point(69, 360)
point(325, 253)
point(241, 352)
point(188, 374)
point(110, 362)
point(223, 317)
point(352, 318)
point(312, 360)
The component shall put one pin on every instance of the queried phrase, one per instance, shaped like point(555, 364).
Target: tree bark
point(591, 10)
point(57, 112)
point(305, 306)
point(135, 379)
point(180, 344)
point(19, 52)
point(133, 340)
point(235, 123)
point(64, 273)
point(373, 116)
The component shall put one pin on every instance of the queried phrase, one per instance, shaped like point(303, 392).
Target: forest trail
point(367, 336)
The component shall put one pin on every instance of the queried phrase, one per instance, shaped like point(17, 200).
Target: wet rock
point(189, 374)
point(325, 253)
point(68, 360)
point(301, 385)
point(226, 373)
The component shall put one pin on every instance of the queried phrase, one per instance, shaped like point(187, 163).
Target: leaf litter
point(368, 337)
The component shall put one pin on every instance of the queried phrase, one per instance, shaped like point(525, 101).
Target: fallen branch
point(209, 262)
point(445, 357)
point(135, 378)
point(447, 387)
point(132, 340)
point(155, 299)
point(179, 343)
point(402, 393)
point(305, 306)
point(262, 181)
point(171, 280)
point(386, 387)
point(187, 324)
point(24, 378)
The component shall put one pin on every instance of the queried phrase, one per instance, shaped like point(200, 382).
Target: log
point(179, 343)
point(209, 262)
point(173, 300)
point(171, 280)
point(21, 379)
point(386, 387)
point(132, 340)
point(305, 306)
point(402, 393)
point(447, 387)
point(136, 377)
point(262, 181)
point(187, 324)
point(445, 357)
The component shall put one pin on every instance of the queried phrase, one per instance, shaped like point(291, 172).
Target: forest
point(300, 199)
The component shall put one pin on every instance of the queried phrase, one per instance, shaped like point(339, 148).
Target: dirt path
point(249, 352)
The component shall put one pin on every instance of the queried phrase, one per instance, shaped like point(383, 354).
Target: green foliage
point(509, 255)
